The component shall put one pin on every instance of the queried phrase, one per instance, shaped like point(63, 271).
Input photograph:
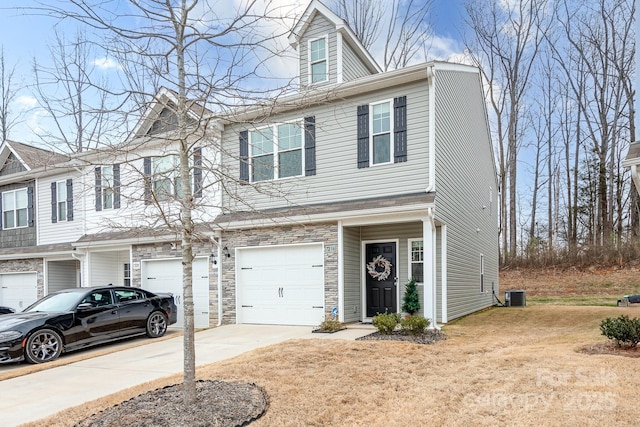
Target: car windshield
point(65, 301)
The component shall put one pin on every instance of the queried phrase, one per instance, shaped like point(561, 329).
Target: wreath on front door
point(379, 268)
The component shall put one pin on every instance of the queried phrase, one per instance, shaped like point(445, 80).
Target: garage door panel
point(166, 276)
point(281, 285)
point(18, 290)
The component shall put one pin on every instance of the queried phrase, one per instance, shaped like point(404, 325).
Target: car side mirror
point(85, 306)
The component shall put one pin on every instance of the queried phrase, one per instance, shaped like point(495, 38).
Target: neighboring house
point(362, 181)
point(39, 221)
point(632, 161)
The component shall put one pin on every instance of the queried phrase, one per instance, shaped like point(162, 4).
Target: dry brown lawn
point(504, 366)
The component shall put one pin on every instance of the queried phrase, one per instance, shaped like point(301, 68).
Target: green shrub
point(411, 298)
point(414, 325)
point(386, 322)
point(331, 325)
point(624, 331)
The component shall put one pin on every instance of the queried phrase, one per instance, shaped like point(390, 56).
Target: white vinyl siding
point(338, 177)
point(61, 231)
point(14, 209)
point(107, 267)
point(62, 275)
point(463, 144)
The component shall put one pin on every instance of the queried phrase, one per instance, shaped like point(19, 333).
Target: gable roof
point(159, 108)
point(30, 157)
point(341, 26)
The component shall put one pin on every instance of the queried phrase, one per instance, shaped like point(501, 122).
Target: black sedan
point(77, 318)
point(6, 310)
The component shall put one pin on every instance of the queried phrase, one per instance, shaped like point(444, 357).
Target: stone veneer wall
point(163, 250)
point(286, 235)
point(24, 266)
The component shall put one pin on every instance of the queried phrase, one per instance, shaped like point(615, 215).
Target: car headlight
point(9, 335)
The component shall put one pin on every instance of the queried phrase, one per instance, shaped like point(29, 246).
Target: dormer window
point(318, 64)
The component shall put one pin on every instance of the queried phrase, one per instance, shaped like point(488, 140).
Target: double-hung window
point(277, 151)
point(416, 260)
point(318, 60)
point(381, 126)
point(166, 182)
point(61, 200)
point(107, 187)
point(14, 209)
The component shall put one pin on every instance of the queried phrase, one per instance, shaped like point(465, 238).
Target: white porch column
point(340, 272)
point(429, 268)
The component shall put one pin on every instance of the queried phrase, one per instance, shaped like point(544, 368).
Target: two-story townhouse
point(38, 190)
point(360, 182)
point(131, 233)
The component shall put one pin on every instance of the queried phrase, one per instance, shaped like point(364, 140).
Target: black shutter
point(98, 189)
point(244, 156)
point(1, 212)
point(54, 204)
point(116, 186)
point(30, 216)
point(69, 199)
point(310, 146)
point(147, 180)
point(197, 172)
point(400, 129)
point(363, 136)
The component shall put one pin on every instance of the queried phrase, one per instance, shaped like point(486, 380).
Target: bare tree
point(401, 27)
point(8, 92)
point(206, 59)
point(507, 38)
point(69, 96)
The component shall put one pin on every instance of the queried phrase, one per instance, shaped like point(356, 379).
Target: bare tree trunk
point(8, 92)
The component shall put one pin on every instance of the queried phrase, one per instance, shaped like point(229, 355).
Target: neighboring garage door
point(18, 290)
point(166, 276)
point(281, 285)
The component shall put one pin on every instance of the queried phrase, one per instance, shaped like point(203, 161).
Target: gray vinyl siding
point(352, 67)
point(62, 275)
point(23, 236)
point(337, 175)
point(319, 27)
point(401, 232)
point(352, 278)
point(464, 176)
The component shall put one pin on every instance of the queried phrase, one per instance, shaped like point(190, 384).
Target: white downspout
point(431, 74)
point(219, 256)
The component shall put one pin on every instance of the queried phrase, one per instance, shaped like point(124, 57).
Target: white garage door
point(166, 276)
point(18, 290)
point(281, 285)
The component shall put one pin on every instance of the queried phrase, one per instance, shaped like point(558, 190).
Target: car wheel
point(42, 346)
point(156, 324)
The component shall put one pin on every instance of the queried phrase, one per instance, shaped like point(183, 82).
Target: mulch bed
point(218, 404)
point(429, 336)
point(610, 348)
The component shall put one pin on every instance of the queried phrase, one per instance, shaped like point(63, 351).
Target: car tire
point(44, 345)
point(156, 324)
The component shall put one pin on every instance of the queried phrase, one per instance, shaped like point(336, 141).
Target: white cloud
point(106, 63)
point(26, 101)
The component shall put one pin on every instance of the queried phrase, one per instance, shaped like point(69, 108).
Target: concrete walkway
point(41, 394)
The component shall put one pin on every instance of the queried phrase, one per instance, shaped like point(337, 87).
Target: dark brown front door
point(380, 272)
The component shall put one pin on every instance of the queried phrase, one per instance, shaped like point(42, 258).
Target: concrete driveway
point(41, 394)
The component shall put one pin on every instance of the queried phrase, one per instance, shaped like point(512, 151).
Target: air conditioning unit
point(515, 298)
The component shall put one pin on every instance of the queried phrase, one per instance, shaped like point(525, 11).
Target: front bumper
point(11, 352)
